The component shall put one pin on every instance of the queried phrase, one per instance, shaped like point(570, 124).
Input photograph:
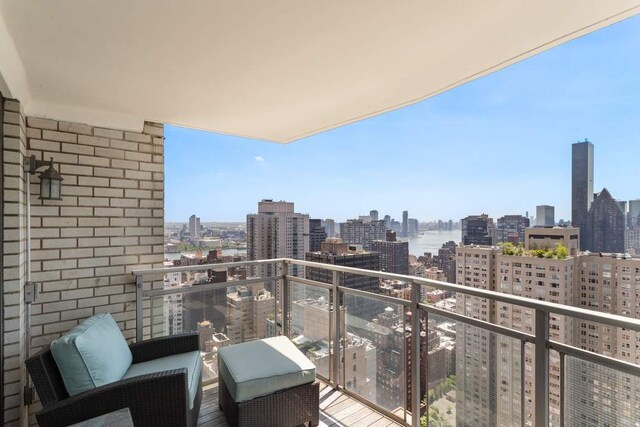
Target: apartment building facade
point(358, 232)
point(276, 231)
point(489, 365)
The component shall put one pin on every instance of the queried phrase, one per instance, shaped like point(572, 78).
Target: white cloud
point(259, 158)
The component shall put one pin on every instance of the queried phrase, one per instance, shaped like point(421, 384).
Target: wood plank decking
point(336, 410)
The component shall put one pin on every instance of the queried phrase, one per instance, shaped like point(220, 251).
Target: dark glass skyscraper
point(394, 256)
point(478, 230)
point(607, 225)
point(317, 234)
point(511, 228)
point(338, 253)
point(581, 188)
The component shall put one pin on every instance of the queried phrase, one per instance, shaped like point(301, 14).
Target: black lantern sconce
point(50, 179)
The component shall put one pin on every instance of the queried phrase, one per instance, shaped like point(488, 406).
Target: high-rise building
point(276, 231)
point(624, 207)
point(387, 221)
point(388, 337)
point(329, 227)
point(337, 252)
point(310, 320)
point(248, 308)
point(633, 216)
point(581, 187)
point(358, 232)
point(207, 305)
point(605, 284)
point(475, 348)
point(412, 227)
point(173, 307)
point(633, 227)
point(489, 381)
point(545, 216)
point(606, 225)
point(374, 215)
point(478, 230)
point(446, 260)
point(633, 240)
point(194, 227)
point(405, 224)
point(394, 256)
point(317, 234)
point(511, 228)
point(364, 218)
point(392, 340)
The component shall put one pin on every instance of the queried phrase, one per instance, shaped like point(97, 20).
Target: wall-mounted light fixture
point(50, 179)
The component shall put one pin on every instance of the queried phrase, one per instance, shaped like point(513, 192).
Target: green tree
point(508, 248)
point(561, 251)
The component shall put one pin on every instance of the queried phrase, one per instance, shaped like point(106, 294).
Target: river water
point(431, 241)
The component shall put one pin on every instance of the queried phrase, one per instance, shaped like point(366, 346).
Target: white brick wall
point(14, 246)
point(84, 246)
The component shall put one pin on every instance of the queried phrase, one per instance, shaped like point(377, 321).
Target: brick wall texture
point(14, 268)
point(84, 247)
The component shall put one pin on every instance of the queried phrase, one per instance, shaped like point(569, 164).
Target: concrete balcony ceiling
point(274, 70)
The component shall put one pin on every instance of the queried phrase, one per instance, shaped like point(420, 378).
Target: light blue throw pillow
point(92, 354)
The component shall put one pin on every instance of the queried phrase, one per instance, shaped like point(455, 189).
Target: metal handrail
point(549, 307)
point(205, 287)
point(200, 267)
point(539, 339)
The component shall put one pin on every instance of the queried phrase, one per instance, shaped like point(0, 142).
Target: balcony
point(91, 85)
point(398, 353)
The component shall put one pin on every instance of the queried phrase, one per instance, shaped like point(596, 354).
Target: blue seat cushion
point(92, 354)
point(262, 367)
point(190, 360)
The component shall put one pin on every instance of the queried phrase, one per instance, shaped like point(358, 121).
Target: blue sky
point(499, 145)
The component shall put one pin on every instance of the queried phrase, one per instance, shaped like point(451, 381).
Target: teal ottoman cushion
point(262, 367)
point(190, 360)
point(92, 354)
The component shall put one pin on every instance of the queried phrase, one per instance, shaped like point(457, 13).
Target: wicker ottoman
point(267, 383)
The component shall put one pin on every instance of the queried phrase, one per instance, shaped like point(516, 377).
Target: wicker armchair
point(159, 399)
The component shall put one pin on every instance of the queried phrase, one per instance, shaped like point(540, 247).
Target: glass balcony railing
point(406, 346)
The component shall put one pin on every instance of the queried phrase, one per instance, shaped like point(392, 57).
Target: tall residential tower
point(276, 231)
point(581, 187)
point(194, 227)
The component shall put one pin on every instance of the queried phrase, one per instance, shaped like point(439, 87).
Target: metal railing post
point(286, 304)
point(562, 401)
point(541, 371)
point(523, 372)
point(139, 308)
point(336, 330)
point(415, 354)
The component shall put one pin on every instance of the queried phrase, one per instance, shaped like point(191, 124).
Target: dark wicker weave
point(284, 408)
point(159, 399)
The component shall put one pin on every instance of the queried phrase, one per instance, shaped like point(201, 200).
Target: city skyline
point(511, 131)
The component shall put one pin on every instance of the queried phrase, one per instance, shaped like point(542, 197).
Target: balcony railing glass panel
point(374, 354)
point(224, 313)
point(512, 364)
point(310, 324)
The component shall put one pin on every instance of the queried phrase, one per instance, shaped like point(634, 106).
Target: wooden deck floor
point(336, 410)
